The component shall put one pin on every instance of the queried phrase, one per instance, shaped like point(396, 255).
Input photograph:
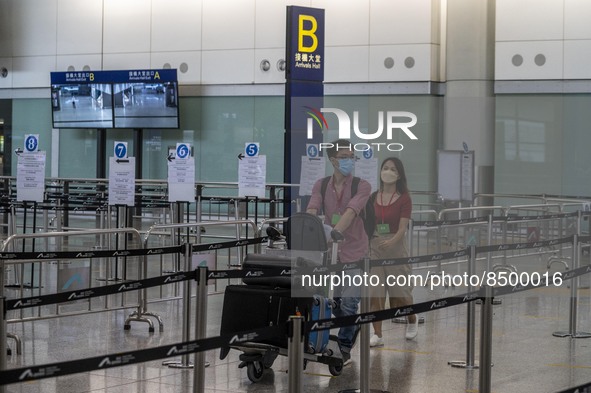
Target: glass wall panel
point(77, 154)
point(542, 144)
point(528, 144)
point(418, 156)
point(576, 175)
point(219, 127)
point(32, 116)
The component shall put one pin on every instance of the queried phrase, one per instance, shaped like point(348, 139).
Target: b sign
point(305, 44)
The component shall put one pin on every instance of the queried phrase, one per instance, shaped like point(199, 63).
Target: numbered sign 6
point(183, 150)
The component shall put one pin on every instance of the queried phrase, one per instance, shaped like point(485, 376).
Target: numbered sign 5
point(120, 149)
point(31, 142)
point(252, 149)
point(183, 150)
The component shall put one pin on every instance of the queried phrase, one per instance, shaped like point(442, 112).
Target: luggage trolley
point(267, 301)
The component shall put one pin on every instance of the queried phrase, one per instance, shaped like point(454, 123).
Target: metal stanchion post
point(486, 315)
point(470, 324)
point(364, 350)
point(120, 241)
point(3, 346)
point(489, 242)
point(574, 286)
point(200, 329)
point(295, 353)
point(489, 267)
point(142, 313)
point(185, 362)
point(409, 237)
point(409, 233)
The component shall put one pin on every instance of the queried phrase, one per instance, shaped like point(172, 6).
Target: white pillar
point(469, 109)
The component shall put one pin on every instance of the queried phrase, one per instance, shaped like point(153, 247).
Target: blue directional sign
point(114, 76)
point(182, 150)
point(31, 143)
point(252, 149)
point(121, 150)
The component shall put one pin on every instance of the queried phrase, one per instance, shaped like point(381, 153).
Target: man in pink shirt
point(341, 211)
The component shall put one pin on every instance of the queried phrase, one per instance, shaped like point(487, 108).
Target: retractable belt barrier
point(81, 201)
point(79, 205)
point(45, 300)
point(132, 357)
point(360, 319)
point(35, 301)
point(127, 253)
point(435, 223)
point(33, 373)
point(126, 358)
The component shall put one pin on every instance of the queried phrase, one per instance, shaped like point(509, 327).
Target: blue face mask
point(346, 166)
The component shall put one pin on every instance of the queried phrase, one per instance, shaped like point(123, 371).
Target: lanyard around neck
point(383, 207)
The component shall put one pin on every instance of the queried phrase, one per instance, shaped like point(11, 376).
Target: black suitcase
point(265, 261)
point(250, 307)
point(273, 262)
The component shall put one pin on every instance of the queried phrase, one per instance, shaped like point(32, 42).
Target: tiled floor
point(526, 357)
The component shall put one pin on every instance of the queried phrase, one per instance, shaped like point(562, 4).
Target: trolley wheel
point(335, 370)
point(269, 357)
point(267, 363)
point(254, 371)
point(126, 327)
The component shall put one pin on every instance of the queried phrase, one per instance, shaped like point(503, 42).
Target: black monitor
point(115, 99)
point(146, 105)
point(85, 105)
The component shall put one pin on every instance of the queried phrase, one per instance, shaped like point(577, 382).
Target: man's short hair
point(339, 144)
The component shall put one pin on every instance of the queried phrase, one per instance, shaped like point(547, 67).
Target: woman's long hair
point(401, 186)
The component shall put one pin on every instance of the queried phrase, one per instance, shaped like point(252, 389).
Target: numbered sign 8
point(31, 143)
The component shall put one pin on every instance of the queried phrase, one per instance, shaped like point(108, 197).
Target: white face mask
point(388, 176)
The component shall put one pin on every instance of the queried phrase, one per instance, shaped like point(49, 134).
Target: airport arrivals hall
point(240, 196)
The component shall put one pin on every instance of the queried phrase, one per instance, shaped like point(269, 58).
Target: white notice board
point(30, 176)
point(455, 179)
point(312, 169)
point(367, 169)
point(121, 181)
point(181, 179)
point(252, 176)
